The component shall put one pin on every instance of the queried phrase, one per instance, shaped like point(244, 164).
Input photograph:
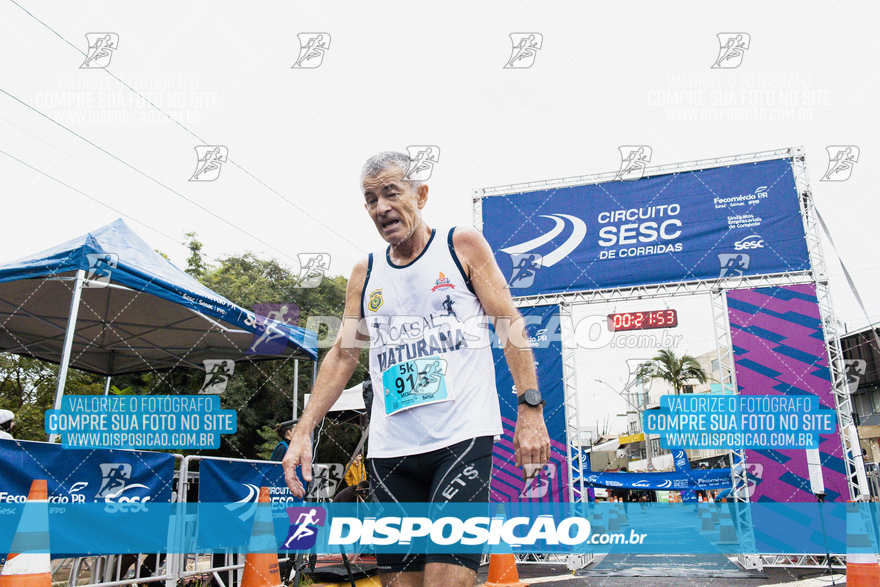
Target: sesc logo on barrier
point(304, 524)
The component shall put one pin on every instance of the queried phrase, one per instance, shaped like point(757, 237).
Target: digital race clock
point(642, 320)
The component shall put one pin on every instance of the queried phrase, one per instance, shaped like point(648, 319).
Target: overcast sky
point(405, 73)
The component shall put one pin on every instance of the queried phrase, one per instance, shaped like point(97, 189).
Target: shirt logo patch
point(442, 281)
point(375, 301)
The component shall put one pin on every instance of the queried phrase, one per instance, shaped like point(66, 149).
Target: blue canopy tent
point(107, 303)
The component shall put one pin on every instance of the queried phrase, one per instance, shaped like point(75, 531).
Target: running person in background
point(436, 446)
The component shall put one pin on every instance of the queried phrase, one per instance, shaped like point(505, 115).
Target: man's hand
point(531, 443)
point(298, 453)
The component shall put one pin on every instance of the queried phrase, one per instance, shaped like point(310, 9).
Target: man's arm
point(336, 369)
point(530, 439)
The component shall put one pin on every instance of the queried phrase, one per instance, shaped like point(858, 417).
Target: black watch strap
point(531, 397)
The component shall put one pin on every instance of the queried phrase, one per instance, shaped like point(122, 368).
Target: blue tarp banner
point(680, 480)
point(714, 223)
point(236, 484)
point(84, 476)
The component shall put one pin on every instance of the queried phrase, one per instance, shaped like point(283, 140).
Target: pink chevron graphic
point(785, 476)
point(507, 481)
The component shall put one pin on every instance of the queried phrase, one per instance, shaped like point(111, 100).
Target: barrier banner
point(84, 476)
point(717, 223)
point(551, 484)
point(680, 480)
point(236, 484)
point(683, 465)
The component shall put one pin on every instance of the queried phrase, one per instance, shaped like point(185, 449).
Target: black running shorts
point(457, 473)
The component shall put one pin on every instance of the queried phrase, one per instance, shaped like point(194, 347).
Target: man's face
point(393, 205)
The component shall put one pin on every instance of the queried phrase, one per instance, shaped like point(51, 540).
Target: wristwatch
point(531, 397)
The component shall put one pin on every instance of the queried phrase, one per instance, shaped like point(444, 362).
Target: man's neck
point(407, 250)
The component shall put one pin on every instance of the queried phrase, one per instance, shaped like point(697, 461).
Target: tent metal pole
point(107, 385)
point(68, 341)
point(295, 387)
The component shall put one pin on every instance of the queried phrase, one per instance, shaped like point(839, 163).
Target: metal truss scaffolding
point(716, 289)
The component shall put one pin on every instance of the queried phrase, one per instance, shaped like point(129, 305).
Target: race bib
point(415, 383)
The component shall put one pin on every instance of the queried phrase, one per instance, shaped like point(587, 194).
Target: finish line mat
point(669, 565)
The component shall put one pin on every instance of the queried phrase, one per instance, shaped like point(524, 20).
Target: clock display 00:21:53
point(642, 320)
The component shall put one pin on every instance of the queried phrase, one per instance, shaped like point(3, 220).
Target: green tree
point(27, 388)
point(674, 370)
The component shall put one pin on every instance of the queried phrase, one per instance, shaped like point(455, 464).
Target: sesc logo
point(750, 242)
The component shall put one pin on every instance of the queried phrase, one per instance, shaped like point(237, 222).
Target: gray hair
point(382, 161)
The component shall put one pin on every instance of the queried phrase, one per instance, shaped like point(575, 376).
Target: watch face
point(533, 397)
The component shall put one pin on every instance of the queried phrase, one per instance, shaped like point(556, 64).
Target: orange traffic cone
point(261, 562)
point(502, 572)
point(29, 562)
point(862, 568)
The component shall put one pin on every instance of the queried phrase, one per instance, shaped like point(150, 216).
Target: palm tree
point(676, 371)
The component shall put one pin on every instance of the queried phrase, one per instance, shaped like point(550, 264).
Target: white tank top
point(430, 360)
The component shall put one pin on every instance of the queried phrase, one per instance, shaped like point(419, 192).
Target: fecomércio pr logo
point(304, 524)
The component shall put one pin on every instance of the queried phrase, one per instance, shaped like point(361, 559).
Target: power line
point(203, 141)
point(148, 176)
point(67, 185)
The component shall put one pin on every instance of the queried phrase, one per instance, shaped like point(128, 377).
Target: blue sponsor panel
point(118, 483)
point(83, 476)
point(724, 222)
point(551, 484)
point(236, 485)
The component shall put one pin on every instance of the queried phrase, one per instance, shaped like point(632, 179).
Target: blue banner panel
point(551, 484)
point(236, 484)
point(84, 476)
point(681, 480)
point(715, 223)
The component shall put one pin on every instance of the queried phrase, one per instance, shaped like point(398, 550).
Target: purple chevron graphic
point(779, 349)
